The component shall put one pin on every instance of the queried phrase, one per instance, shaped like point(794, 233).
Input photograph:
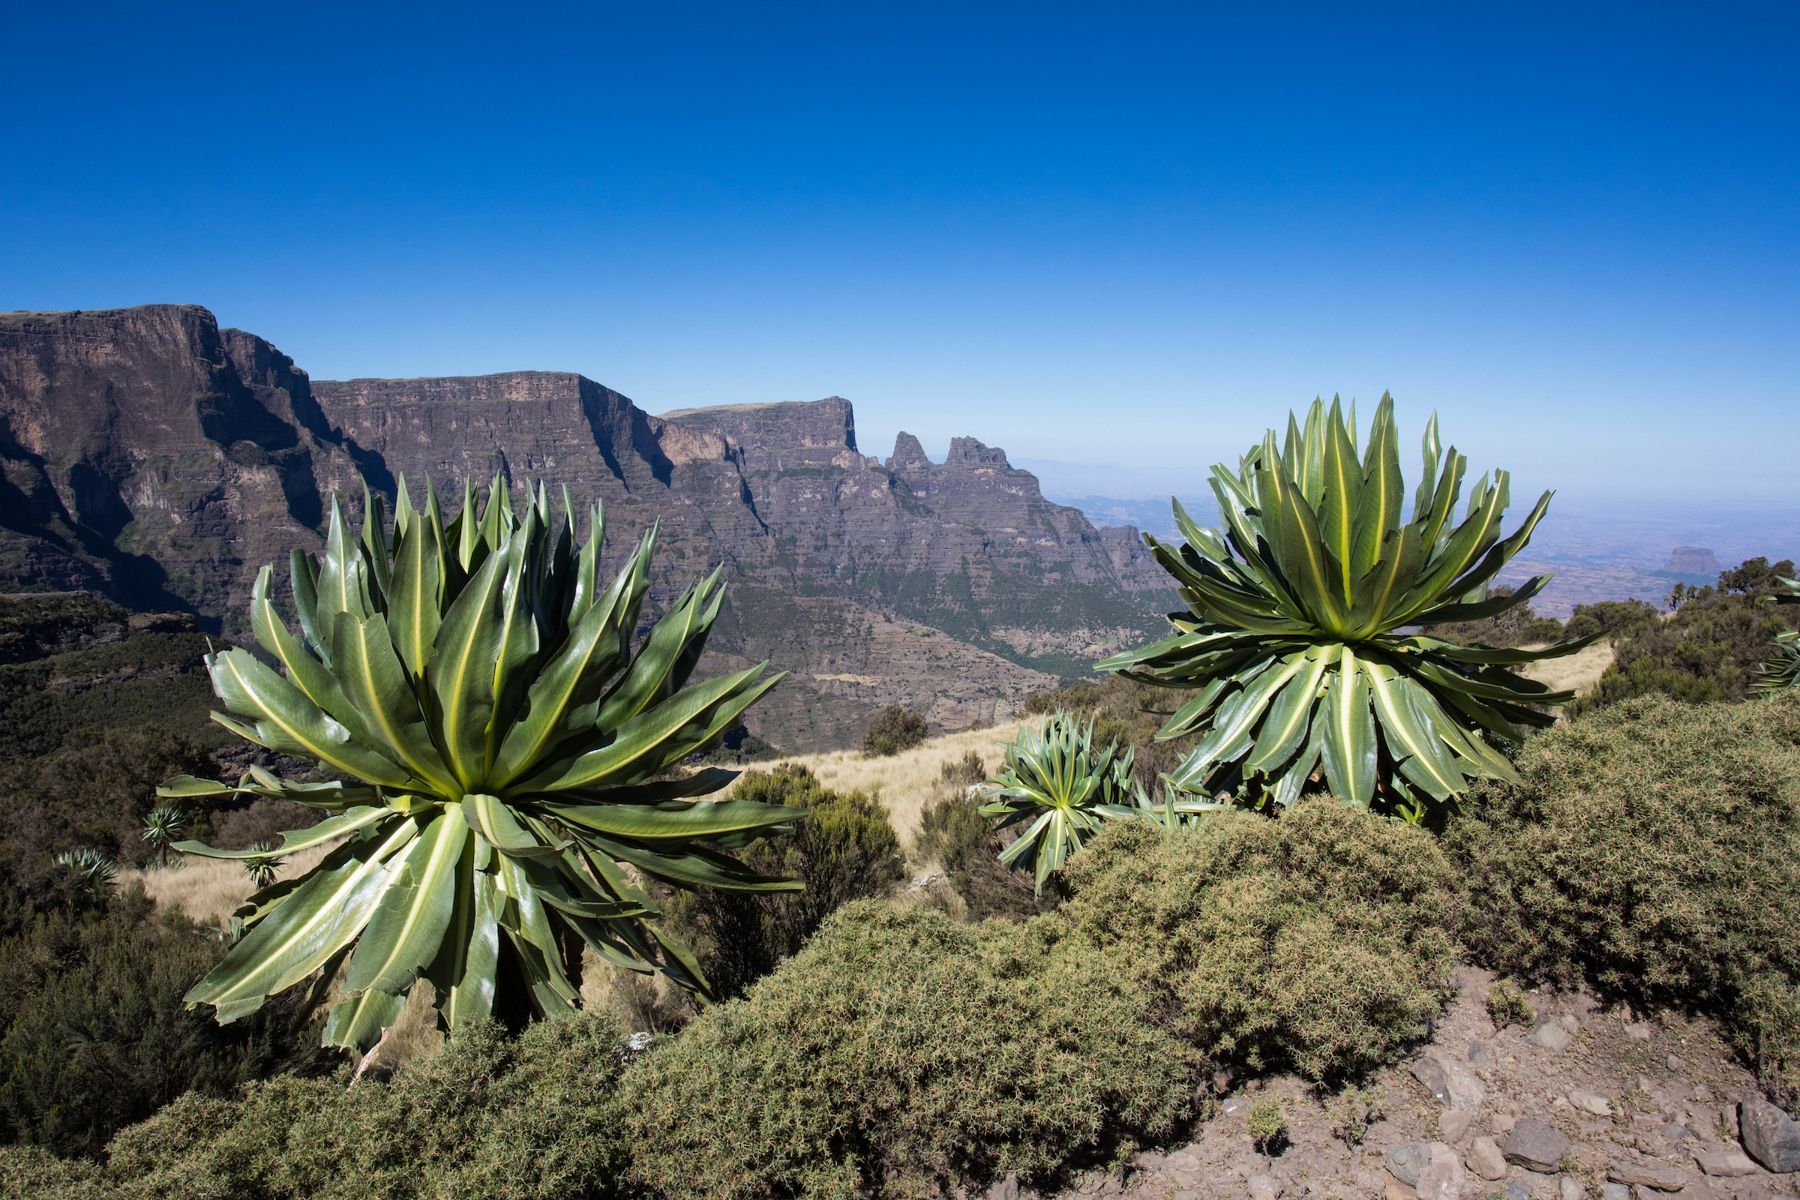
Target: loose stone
point(1535, 1145)
point(1769, 1135)
point(1551, 1036)
point(1486, 1160)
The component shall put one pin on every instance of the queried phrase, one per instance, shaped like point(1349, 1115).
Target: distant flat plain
point(1595, 551)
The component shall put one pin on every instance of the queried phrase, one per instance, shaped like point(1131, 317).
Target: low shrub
point(892, 730)
point(1322, 941)
point(492, 1116)
point(1267, 1124)
point(899, 1053)
point(1652, 850)
point(954, 834)
point(964, 772)
point(1507, 1005)
point(1353, 1111)
point(93, 1035)
point(844, 849)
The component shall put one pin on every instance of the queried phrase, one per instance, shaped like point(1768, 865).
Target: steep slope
point(151, 456)
point(157, 459)
point(782, 494)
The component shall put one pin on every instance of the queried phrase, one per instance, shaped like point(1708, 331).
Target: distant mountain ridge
point(155, 458)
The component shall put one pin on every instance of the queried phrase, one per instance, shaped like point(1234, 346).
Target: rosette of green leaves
point(503, 760)
point(1061, 788)
point(162, 826)
point(91, 870)
point(1298, 636)
point(1781, 670)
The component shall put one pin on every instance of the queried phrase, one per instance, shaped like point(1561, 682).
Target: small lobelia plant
point(1780, 672)
point(1299, 632)
point(1052, 777)
point(1055, 782)
point(262, 870)
point(161, 827)
point(503, 761)
point(92, 872)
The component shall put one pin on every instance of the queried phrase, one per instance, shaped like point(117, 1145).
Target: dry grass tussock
point(209, 890)
point(906, 782)
point(1578, 672)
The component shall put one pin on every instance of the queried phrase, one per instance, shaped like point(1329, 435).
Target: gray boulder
point(1551, 1036)
point(1405, 1161)
point(1453, 1083)
point(1535, 1145)
point(1769, 1135)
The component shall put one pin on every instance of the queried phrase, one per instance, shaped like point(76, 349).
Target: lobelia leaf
point(286, 720)
point(314, 921)
point(407, 927)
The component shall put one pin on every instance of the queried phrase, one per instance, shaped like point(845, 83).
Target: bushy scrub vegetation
point(74, 666)
point(91, 794)
point(954, 834)
point(93, 1035)
point(892, 730)
point(1322, 942)
point(966, 771)
point(1295, 641)
point(899, 1052)
point(524, 1118)
point(842, 848)
point(1653, 851)
point(1612, 618)
point(1708, 649)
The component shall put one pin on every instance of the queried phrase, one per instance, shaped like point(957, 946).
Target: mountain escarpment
point(157, 459)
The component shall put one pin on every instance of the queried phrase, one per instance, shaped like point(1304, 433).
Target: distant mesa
point(1692, 560)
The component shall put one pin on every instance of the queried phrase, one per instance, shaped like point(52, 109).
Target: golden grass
point(908, 781)
point(209, 890)
point(1576, 673)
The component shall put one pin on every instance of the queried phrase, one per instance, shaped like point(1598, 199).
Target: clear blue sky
point(1115, 233)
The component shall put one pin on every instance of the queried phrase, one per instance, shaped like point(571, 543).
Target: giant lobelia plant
point(1780, 672)
point(1299, 635)
point(503, 762)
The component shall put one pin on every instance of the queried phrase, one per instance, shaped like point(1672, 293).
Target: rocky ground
point(1577, 1102)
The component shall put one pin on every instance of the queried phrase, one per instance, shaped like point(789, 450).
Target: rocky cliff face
point(149, 455)
point(152, 456)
